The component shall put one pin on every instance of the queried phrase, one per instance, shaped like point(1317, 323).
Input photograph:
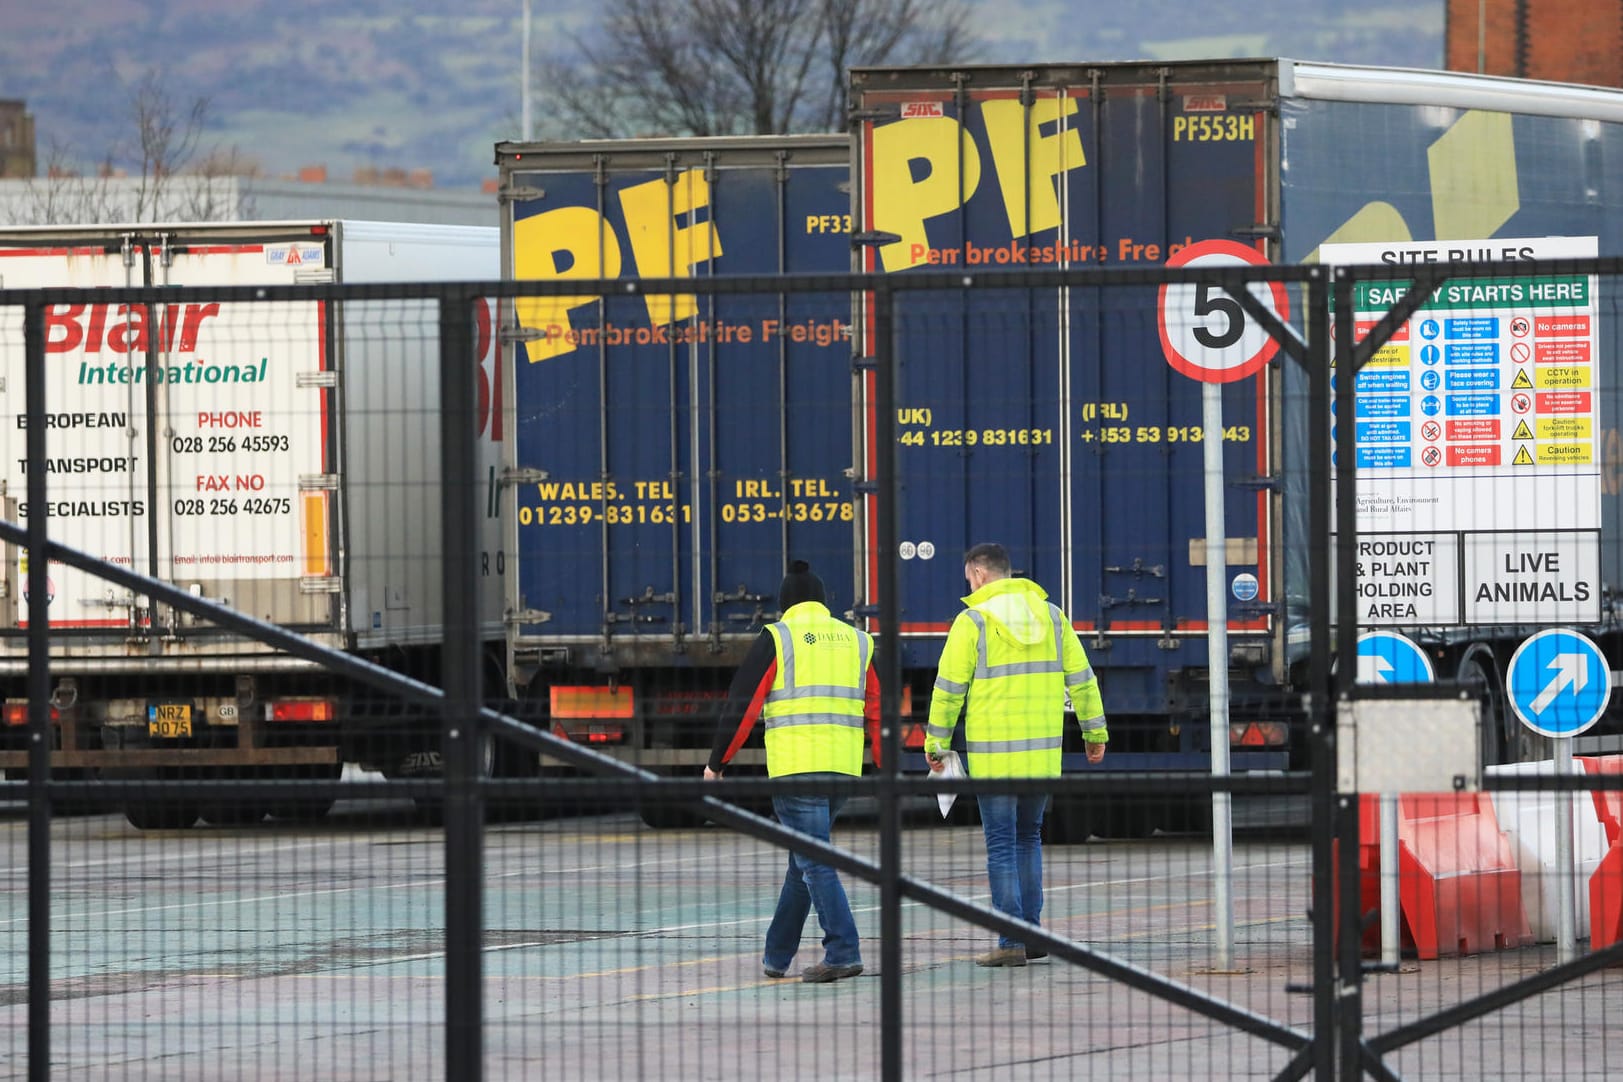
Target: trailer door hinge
point(314, 276)
point(522, 475)
point(516, 617)
point(320, 584)
point(510, 335)
point(519, 193)
point(316, 482)
point(874, 238)
point(325, 378)
point(1264, 230)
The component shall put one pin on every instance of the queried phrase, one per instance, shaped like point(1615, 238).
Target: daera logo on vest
point(810, 637)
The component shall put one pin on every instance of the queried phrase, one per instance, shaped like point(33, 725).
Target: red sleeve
point(751, 712)
point(870, 711)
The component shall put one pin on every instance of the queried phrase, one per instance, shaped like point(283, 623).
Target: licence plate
point(169, 720)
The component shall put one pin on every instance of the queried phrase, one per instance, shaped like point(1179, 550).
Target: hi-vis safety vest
point(1014, 656)
point(813, 712)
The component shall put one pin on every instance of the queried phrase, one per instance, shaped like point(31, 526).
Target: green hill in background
point(421, 84)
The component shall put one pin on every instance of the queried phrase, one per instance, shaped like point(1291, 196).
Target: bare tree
point(159, 172)
point(729, 67)
point(165, 140)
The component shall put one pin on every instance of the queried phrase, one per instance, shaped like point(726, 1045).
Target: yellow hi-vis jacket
point(1014, 656)
point(813, 712)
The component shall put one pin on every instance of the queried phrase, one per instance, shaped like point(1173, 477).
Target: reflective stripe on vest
point(816, 726)
point(997, 726)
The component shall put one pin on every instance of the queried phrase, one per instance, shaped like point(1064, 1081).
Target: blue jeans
point(1013, 826)
point(808, 884)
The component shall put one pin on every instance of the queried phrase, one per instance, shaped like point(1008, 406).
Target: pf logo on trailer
point(1558, 683)
point(1205, 332)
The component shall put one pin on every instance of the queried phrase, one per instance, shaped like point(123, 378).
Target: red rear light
point(583, 732)
point(1258, 734)
point(913, 736)
point(301, 710)
point(17, 713)
point(318, 231)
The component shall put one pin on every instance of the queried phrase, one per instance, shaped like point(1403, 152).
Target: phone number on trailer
point(614, 514)
point(977, 437)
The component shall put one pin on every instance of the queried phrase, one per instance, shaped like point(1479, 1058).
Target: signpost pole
point(1566, 929)
point(1217, 649)
point(1391, 918)
point(1206, 337)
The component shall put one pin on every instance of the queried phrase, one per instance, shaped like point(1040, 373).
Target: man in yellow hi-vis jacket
point(810, 677)
point(1013, 657)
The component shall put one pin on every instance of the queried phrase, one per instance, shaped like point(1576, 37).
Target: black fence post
point(1350, 976)
point(890, 677)
point(39, 706)
point(1321, 704)
point(461, 673)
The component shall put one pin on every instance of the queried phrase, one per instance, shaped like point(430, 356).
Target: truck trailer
point(681, 450)
point(277, 458)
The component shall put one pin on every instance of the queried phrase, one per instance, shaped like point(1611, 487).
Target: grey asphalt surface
point(617, 952)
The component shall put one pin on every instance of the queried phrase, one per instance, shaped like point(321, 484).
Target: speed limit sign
point(1205, 333)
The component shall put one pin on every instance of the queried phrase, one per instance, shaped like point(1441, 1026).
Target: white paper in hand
point(951, 767)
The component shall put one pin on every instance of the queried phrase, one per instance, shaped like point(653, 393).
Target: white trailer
point(280, 458)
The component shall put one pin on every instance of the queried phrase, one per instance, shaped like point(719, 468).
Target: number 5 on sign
point(1205, 333)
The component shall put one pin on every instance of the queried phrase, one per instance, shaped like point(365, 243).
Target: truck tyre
point(160, 814)
point(1500, 732)
point(231, 814)
point(314, 808)
point(1069, 820)
point(669, 815)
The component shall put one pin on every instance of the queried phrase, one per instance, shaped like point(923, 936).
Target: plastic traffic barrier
point(1606, 884)
point(1529, 820)
point(1459, 887)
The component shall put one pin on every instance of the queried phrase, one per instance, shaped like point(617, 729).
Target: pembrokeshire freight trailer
point(684, 463)
point(278, 458)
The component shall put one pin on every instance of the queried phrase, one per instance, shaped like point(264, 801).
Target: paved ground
point(288, 952)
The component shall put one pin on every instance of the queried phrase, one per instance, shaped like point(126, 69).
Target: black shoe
point(1034, 953)
point(822, 972)
point(773, 973)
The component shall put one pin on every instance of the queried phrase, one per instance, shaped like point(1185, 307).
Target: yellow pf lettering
point(570, 242)
point(1051, 156)
point(901, 205)
point(664, 249)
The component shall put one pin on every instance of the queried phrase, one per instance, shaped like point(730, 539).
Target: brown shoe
point(1003, 956)
point(823, 973)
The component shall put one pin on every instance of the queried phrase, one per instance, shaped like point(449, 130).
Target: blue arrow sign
point(1558, 683)
point(1385, 657)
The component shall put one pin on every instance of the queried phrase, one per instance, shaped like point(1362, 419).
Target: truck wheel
point(1069, 821)
point(160, 814)
point(670, 815)
point(965, 812)
point(307, 811)
point(1499, 744)
point(302, 811)
point(231, 815)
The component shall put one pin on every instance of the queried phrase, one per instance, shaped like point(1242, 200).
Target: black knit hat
point(800, 585)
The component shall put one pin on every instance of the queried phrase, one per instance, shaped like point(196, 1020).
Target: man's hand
point(711, 775)
point(937, 765)
point(1096, 753)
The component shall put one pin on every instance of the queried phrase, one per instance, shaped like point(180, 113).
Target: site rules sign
point(1477, 431)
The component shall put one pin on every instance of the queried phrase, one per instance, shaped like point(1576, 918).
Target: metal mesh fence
point(281, 841)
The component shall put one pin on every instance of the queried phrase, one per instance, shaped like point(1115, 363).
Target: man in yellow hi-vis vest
point(811, 677)
point(1013, 657)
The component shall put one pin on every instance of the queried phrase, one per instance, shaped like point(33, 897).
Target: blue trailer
point(672, 454)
